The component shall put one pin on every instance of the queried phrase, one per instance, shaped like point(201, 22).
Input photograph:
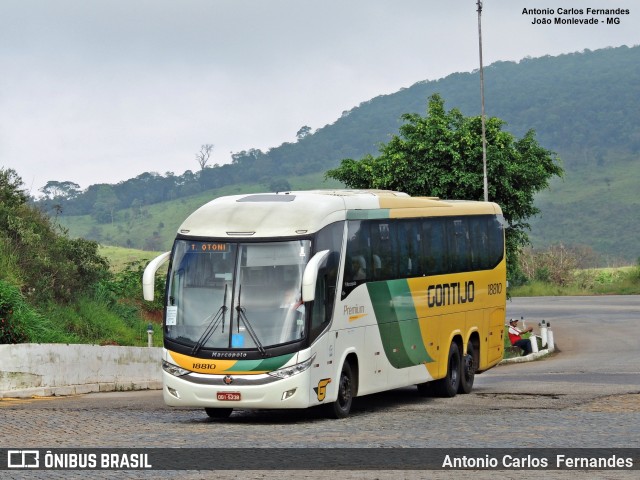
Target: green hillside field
point(597, 205)
point(155, 228)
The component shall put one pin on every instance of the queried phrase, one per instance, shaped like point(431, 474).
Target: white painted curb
point(28, 370)
point(527, 358)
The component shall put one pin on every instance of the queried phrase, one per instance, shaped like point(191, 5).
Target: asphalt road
point(585, 395)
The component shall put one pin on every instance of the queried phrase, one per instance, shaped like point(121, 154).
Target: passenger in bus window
point(359, 268)
point(377, 267)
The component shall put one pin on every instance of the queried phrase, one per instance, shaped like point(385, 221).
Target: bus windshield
point(232, 295)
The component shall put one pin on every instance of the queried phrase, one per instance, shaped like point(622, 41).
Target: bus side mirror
point(148, 278)
point(310, 276)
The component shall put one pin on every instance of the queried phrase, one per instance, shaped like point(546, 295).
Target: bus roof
point(296, 213)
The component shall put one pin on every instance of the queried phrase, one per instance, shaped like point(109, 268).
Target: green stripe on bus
point(266, 365)
point(368, 214)
point(398, 323)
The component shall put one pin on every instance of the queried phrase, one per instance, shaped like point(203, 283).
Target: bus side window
point(496, 240)
point(459, 245)
point(435, 258)
point(358, 256)
point(329, 238)
point(384, 251)
point(479, 243)
point(409, 249)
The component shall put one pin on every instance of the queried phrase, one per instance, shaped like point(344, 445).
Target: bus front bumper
point(241, 391)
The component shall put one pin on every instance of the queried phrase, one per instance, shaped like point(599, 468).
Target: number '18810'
point(495, 288)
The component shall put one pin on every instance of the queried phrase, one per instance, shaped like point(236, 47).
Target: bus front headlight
point(174, 370)
point(292, 370)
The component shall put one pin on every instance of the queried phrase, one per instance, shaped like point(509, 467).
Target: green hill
point(585, 106)
point(154, 227)
point(596, 205)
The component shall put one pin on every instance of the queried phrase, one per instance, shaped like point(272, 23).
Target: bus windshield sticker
point(237, 340)
point(172, 315)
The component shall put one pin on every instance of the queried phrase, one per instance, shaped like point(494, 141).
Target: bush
point(634, 275)
point(43, 260)
point(127, 283)
point(10, 331)
point(11, 324)
point(555, 265)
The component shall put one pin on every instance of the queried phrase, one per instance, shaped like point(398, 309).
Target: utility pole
point(484, 136)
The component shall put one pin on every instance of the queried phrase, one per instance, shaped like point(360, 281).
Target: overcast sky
point(96, 91)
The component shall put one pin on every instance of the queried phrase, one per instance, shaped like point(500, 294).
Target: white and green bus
point(300, 299)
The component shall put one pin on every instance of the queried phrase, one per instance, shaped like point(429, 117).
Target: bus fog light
point(288, 393)
point(173, 392)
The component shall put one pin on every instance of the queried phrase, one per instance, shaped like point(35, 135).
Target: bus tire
point(448, 386)
point(342, 406)
point(468, 371)
point(218, 412)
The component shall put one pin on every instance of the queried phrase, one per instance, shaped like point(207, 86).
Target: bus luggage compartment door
point(496, 336)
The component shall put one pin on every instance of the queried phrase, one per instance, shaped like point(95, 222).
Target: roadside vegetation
point(56, 289)
point(561, 270)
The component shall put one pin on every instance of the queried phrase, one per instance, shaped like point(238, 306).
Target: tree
point(440, 155)
point(105, 205)
point(303, 132)
point(202, 157)
point(66, 189)
point(277, 184)
point(12, 193)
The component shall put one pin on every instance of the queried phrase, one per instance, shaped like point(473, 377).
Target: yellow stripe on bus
point(202, 365)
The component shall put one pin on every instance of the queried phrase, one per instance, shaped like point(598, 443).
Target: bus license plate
point(228, 396)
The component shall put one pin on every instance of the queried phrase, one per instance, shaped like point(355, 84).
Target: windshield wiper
point(243, 317)
point(217, 317)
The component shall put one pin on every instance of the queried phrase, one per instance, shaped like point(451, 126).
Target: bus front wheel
point(448, 386)
point(342, 406)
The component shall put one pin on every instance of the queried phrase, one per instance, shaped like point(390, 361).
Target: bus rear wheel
point(448, 386)
point(468, 372)
point(218, 412)
point(342, 406)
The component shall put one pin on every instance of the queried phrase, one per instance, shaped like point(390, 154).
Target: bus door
point(322, 339)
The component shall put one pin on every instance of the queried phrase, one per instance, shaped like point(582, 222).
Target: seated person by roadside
point(515, 336)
